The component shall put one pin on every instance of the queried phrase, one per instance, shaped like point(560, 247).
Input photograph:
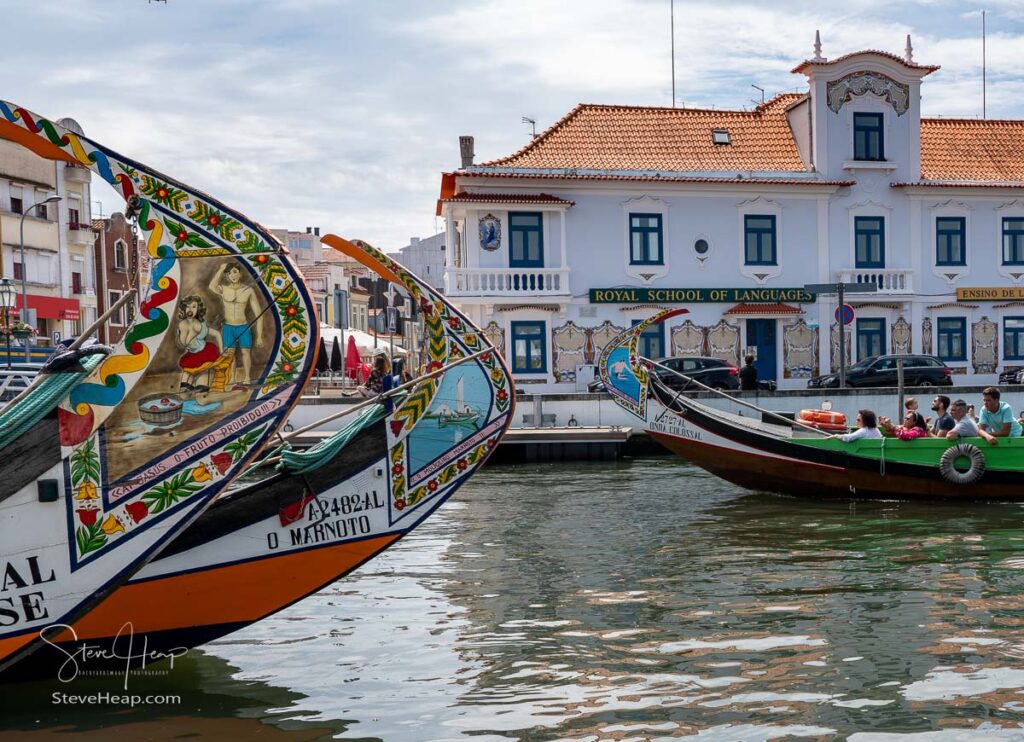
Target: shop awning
point(50, 307)
point(764, 310)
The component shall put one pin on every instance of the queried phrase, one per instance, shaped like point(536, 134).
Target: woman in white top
point(867, 427)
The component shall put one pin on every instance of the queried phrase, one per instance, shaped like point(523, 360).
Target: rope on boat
point(22, 414)
point(744, 403)
point(302, 462)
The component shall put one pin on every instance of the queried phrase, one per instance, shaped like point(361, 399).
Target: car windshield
point(863, 363)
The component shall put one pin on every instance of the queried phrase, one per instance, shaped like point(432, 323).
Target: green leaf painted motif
point(238, 447)
point(90, 538)
point(166, 494)
point(85, 464)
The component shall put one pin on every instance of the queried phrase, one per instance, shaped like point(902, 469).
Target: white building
point(425, 258)
point(58, 268)
point(303, 246)
point(616, 211)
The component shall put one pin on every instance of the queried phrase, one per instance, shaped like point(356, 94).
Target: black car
point(881, 371)
point(712, 372)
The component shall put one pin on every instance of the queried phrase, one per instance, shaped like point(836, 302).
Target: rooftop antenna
point(983, 70)
point(100, 209)
point(532, 123)
point(672, 25)
point(755, 87)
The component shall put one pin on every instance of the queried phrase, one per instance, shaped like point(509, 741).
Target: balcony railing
point(77, 174)
point(523, 282)
point(80, 233)
point(890, 281)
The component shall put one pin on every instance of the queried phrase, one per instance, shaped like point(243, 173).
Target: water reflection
point(648, 600)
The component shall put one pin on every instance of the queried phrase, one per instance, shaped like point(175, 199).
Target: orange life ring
point(823, 419)
point(827, 427)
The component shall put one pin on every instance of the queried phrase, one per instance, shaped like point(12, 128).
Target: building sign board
point(693, 296)
point(990, 294)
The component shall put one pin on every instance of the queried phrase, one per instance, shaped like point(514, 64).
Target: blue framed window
point(1013, 338)
point(759, 239)
point(529, 354)
point(869, 241)
point(952, 337)
point(868, 137)
point(645, 239)
point(950, 232)
point(652, 341)
point(870, 338)
point(526, 240)
point(1013, 240)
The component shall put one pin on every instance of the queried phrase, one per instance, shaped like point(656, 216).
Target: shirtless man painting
point(236, 332)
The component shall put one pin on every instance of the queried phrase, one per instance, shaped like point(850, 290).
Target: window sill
point(869, 165)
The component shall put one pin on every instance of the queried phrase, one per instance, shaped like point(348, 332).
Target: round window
point(701, 247)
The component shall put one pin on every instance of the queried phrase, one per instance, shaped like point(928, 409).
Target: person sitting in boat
point(996, 417)
point(867, 427)
point(965, 427)
point(913, 427)
point(943, 422)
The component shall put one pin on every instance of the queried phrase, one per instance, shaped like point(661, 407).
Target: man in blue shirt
point(997, 418)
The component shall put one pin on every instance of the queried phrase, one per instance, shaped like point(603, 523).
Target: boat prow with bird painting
point(764, 451)
point(292, 529)
point(95, 480)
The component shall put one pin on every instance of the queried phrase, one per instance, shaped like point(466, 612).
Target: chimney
point(466, 149)
point(316, 231)
point(414, 240)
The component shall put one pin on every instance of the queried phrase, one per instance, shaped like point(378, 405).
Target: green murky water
point(641, 600)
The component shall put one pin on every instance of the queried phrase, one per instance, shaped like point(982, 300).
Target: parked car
point(712, 372)
point(1011, 375)
point(876, 371)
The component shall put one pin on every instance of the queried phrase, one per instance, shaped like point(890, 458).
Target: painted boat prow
point(130, 455)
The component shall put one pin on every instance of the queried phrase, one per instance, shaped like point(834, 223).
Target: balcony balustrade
point(524, 282)
point(890, 281)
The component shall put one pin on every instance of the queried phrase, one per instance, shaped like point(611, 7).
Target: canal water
point(621, 601)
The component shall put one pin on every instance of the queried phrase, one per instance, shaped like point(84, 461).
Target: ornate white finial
point(817, 47)
point(908, 53)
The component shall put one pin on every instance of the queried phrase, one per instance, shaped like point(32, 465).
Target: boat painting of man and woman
point(138, 485)
point(763, 451)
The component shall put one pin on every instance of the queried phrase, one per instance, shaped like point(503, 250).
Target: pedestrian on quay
point(748, 375)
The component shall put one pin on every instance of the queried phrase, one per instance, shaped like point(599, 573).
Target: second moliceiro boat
point(286, 534)
point(762, 451)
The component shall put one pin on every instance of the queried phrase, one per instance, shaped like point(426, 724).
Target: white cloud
point(344, 114)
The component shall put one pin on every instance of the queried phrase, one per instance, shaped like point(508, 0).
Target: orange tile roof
point(972, 149)
point(756, 308)
point(600, 137)
point(507, 198)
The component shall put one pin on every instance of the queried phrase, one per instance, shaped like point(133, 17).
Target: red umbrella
point(351, 358)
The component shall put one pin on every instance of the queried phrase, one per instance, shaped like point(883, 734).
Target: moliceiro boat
point(103, 463)
point(289, 530)
point(762, 451)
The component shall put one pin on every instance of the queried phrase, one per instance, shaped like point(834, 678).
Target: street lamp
point(24, 268)
point(7, 294)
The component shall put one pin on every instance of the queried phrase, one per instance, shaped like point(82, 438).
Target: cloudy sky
point(343, 114)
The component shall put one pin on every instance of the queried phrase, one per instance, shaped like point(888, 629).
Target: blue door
point(761, 335)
